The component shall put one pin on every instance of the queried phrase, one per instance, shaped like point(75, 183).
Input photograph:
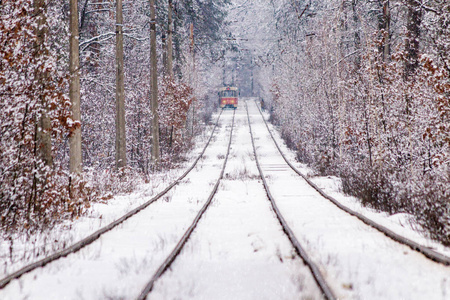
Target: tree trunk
point(357, 34)
point(74, 90)
point(412, 37)
point(384, 25)
point(193, 78)
point(170, 42)
point(164, 54)
point(154, 85)
point(83, 14)
point(168, 63)
point(43, 135)
point(121, 148)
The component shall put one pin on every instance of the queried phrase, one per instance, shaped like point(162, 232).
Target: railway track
point(176, 251)
point(426, 251)
point(97, 234)
point(315, 264)
point(322, 286)
point(320, 280)
point(315, 270)
point(358, 259)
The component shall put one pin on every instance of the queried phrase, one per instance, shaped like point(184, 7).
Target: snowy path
point(359, 262)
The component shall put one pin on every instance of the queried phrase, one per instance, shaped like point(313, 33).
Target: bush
point(372, 187)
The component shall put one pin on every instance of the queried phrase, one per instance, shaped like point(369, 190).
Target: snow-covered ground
point(21, 250)
point(400, 223)
point(358, 261)
point(121, 261)
point(238, 250)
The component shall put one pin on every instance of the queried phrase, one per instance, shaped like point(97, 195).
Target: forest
point(361, 90)
point(71, 73)
point(97, 95)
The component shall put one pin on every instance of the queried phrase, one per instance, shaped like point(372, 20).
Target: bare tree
point(169, 40)
point(121, 154)
point(413, 22)
point(384, 25)
point(74, 90)
point(43, 134)
point(154, 85)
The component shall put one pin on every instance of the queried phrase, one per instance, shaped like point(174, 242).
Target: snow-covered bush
point(352, 107)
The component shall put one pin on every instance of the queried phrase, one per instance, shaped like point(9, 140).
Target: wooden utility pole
point(74, 90)
point(154, 85)
point(121, 148)
point(170, 41)
point(43, 134)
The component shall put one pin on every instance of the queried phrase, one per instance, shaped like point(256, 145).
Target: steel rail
point(318, 277)
point(177, 250)
point(94, 236)
point(426, 251)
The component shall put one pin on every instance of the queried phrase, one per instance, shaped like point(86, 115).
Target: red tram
point(228, 97)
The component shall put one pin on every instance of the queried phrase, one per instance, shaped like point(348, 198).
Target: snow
point(400, 223)
point(359, 261)
point(25, 250)
point(238, 250)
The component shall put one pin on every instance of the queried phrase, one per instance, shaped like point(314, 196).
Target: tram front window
point(229, 93)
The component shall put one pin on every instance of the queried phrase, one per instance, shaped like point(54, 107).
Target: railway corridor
point(357, 261)
point(121, 261)
point(238, 249)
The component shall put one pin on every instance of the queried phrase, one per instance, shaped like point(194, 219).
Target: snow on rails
point(299, 206)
